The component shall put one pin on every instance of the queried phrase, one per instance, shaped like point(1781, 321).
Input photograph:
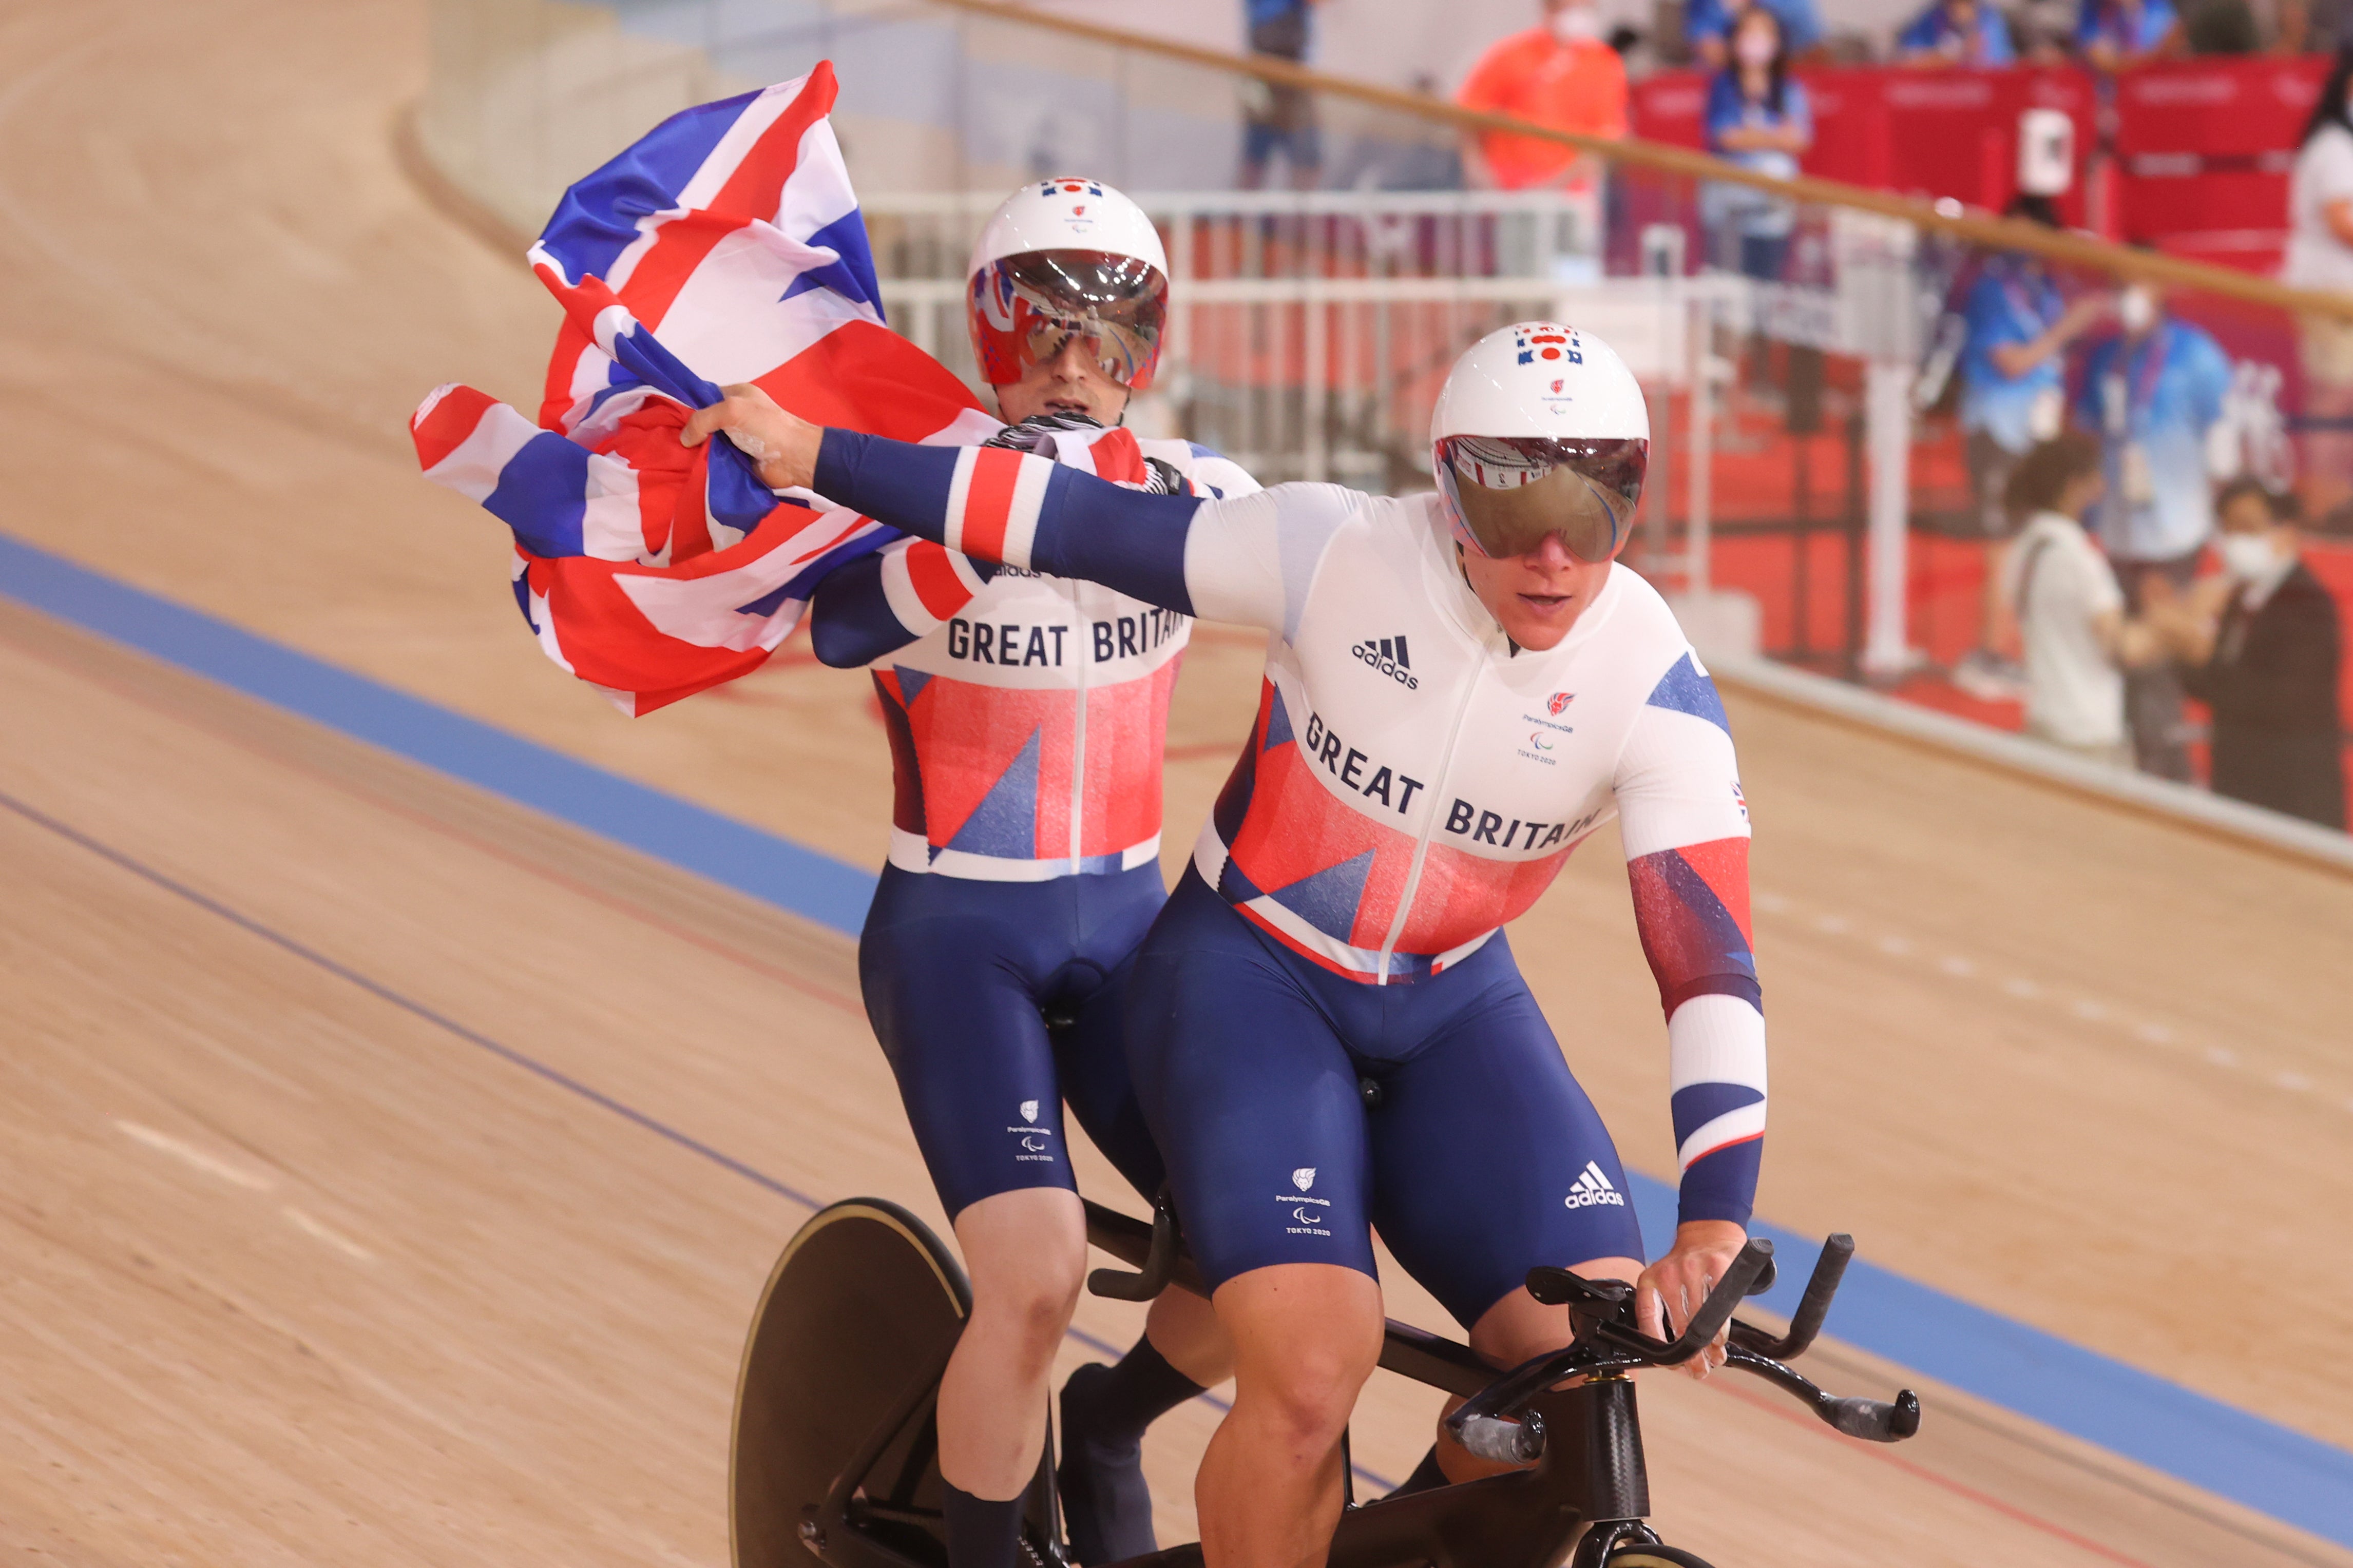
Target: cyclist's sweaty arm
point(1686, 827)
point(1222, 559)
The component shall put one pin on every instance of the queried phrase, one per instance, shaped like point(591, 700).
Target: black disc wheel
point(857, 1321)
point(1655, 1557)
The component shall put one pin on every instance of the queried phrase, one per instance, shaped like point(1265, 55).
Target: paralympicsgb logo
point(1308, 1215)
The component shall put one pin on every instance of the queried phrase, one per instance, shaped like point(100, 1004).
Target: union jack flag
point(651, 571)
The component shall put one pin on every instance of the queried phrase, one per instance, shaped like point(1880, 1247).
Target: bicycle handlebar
point(1558, 1286)
point(1873, 1420)
point(1607, 1338)
point(1159, 1263)
point(1813, 1307)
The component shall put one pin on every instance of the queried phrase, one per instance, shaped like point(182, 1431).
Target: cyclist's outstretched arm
point(1223, 559)
point(1685, 826)
point(1241, 560)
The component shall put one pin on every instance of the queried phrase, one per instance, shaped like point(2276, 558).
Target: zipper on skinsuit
point(1078, 732)
point(1421, 845)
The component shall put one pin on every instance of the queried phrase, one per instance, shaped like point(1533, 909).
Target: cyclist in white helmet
point(1026, 715)
point(1460, 688)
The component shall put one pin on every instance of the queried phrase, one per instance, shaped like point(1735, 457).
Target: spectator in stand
point(2320, 255)
point(1561, 74)
point(2013, 394)
point(2113, 33)
point(1761, 119)
point(1277, 118)
point(2070, 612)
point(1956, 33)
point(1708, 26)
point(2154, 393)
point(2259, 643)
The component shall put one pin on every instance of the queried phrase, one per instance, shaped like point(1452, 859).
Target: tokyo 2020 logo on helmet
point(1062, 260)
point(1540, 429)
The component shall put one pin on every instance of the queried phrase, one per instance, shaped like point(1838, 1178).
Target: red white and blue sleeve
point(1685, 826)
point(1246, 560)
point(878, 604)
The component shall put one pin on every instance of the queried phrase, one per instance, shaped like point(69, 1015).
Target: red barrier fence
point(2203, 146)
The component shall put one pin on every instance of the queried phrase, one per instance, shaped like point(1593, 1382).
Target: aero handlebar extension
point(1607, 1340)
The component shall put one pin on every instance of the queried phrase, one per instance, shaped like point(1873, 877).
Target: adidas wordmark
point(1593, 1189)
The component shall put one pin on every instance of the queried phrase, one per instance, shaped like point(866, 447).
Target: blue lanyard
point(2029, 314)
point(2139, 383)
point(2152, 367)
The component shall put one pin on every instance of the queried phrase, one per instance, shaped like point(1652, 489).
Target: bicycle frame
point(1585, 1494)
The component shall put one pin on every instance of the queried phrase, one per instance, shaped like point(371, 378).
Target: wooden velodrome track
point(389, 1171)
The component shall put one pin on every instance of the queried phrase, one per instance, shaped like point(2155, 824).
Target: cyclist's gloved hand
point(1672, 1290)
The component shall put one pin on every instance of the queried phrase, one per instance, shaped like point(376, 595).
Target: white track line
point(189, 1154)
point(237, 1176)
point(2087, 1008)
point(335, 1240)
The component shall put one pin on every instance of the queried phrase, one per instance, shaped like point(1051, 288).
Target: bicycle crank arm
point(1873, 1420)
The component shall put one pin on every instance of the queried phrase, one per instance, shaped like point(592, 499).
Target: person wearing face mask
point(2071, 613)
point(2154, 393)
point(1560, 74)
point(1957, 33)
point(1709, 27)
point(2113, 34)
point(2320, 255)
point(2259, 644)
point(1759, 118)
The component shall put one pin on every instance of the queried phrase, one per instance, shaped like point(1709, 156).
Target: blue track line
point(2146, 1418)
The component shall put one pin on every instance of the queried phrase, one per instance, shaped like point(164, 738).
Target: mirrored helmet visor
point(1504, 493)
point(1027, 309)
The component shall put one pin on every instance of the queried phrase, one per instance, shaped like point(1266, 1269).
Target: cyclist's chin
point(1538, 609)
point(1538, 621)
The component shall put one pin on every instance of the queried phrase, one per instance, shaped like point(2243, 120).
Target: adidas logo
point(1592, 1189)
point(1388, 655)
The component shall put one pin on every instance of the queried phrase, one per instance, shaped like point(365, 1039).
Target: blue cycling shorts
point(954, 974)
point(1482, 1159)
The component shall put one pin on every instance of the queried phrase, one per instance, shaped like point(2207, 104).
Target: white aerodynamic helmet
point(1061, 258)
point(1540, 429)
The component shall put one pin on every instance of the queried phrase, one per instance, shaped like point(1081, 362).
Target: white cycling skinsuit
point(1413, 781)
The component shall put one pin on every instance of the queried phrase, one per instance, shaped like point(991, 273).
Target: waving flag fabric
point(732, 232)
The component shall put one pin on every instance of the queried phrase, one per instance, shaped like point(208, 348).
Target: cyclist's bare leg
point(1026, 1251)
point(1184, 1330)
point(1305, 1337)
point(1514, 1330)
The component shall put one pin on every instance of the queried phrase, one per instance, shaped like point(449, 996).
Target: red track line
point(2033, 1521)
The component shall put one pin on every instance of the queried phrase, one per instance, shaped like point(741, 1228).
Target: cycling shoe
point(1106, 1506)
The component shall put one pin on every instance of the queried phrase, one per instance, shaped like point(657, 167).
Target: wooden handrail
point(1994, 233)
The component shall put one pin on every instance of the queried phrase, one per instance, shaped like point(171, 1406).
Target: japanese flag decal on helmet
point(1062, 260)
point(1540, 429)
